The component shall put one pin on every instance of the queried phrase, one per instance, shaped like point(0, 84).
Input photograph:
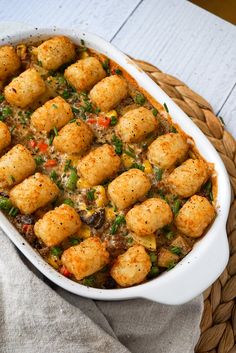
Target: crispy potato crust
point(128, 188)
point(131, 267)
point(57, 225)
point(86, 258)
point(33, 193)
point(193, 218)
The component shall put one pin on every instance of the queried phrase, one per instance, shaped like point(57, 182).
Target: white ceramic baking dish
point(206, 261)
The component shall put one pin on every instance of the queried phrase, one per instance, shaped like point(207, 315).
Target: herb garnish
point(176, 250)
point(130, 152)
point(38, 160)
point(138, 166)
point(176, 206)
point(56, 251)
point(158, 173)
point(117, 222)
point(117, 143)
point(69, 202)
point(90, 194)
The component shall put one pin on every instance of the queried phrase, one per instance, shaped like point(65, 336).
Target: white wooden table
point(175, 35)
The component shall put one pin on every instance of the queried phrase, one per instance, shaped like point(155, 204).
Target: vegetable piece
point(118, 144)
point(154, 111)
point(166, 258)
point(113, 116)
point(110, 213)
point(147, 167)
point(153, 257)
point(38, 160)
point(69, 202)
point(64, 271)
point(117, 223)
point(138, 166)
point(50, 163)
point(158, 173)
point(140, 99)
point(153, 272)
point(176, 206)
point(104, 121)
point(84, 232)
point(56, 251)
point(5, 203)
point(90, 194)
point(100, 196)
point(127, 160)
point(149, 241)
point(89, 281)
point(92, 121)
point(67, 165)
point(130, 152)
point(42, 146)
point(72, 180)
point(176, 250)
point(32, 143)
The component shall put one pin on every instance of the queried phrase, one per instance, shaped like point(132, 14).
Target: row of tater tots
point(34, 191)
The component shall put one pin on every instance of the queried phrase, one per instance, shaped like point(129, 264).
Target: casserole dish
point(198, 269)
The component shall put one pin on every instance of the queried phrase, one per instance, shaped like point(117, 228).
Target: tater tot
point(131, 267)
point(55, 52)
point(128, 188)
point(73, 138)
point(109, 92)
point(99, 165)
point(53, 114)
point(5, 136)
point(16, 165)
point(9, 62)
point(135, 125)
point(167, 150)
point(188, 178)
point(57, 225)
point(86, 258)
point(33, 193)
point(146, 218)
point(25, 89)
point(85, 73)
point(193, 218)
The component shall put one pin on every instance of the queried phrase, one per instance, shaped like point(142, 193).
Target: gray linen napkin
point(38, 318)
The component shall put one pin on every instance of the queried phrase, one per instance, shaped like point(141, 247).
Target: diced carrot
point(104, 121)
point(26, 227)
point(50, 163)
point(42, 146)
point(32, 143)
point(92, 121)
point(64, 271)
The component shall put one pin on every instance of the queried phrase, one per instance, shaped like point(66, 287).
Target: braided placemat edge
point(218, 324)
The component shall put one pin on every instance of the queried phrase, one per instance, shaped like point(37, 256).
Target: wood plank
point(101, 17)
point(186, 41)
point(228, 112)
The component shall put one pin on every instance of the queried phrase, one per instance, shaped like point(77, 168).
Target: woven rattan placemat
point(218, 325)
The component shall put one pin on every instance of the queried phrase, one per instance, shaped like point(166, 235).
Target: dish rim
point(199, 265)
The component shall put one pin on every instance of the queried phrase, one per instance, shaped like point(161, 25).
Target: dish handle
point(194, 274)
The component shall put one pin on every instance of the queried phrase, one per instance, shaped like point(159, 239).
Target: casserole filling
point(93, 172)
